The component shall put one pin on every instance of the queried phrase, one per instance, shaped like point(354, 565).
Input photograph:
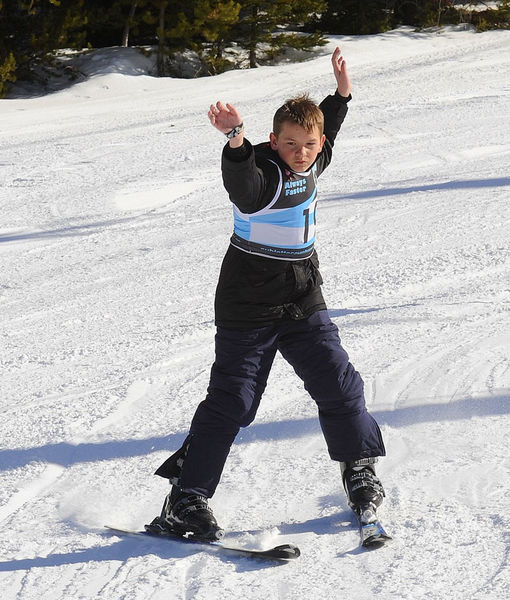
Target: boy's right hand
point(225, 117)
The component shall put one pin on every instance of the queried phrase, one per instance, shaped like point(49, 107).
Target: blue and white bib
point(285, 228)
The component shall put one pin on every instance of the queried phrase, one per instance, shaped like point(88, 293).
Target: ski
point(282, 552)
point(372, 533)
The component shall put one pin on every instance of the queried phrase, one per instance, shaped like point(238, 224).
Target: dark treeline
point(31, 31)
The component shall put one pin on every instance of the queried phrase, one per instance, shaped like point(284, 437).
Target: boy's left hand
point(341, 75)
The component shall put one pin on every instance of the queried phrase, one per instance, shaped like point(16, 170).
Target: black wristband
point(235, 132)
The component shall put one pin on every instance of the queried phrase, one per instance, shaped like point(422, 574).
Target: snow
point(114, 225)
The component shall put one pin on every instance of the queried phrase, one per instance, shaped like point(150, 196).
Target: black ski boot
point(363, 488)
point(184, 514)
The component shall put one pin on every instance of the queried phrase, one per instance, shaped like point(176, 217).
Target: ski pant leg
point(312, 346)
point(238, 379)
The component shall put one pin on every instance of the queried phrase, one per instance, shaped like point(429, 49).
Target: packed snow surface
point(114, 224)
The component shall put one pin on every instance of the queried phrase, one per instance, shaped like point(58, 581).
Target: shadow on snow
point(127, 548)
point(67, 454)
point(461, 184)
point(70, 231)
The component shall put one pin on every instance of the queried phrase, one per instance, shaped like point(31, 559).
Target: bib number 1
point(306, 214)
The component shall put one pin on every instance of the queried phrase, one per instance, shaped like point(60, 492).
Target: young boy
point(269, 299)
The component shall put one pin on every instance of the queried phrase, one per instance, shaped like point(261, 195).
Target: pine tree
point(107, 21)
point(30, 30)
point(503, 14)
point(214, 22)
point(265, 27)
point(353, 17)
point(494, 17)
point(7, 71)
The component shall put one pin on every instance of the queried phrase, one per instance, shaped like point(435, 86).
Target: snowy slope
point(114, 224)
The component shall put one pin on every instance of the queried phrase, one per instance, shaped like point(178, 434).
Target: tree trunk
point(252, 48)
point(161, 36)
point(127, 26)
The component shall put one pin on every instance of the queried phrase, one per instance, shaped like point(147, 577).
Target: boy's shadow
point(128, 547)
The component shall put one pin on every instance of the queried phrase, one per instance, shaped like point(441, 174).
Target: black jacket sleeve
point(334, 108)
point(251, 184)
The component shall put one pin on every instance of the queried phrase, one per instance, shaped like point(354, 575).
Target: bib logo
point(295, 187)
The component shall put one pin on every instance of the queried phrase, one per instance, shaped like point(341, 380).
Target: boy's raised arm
point(226, 118)
point(343, 82)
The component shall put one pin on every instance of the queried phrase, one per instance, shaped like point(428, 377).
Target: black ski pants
point(238, 379)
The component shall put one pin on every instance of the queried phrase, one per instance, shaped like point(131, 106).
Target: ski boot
point(365, 493)
point(186, 513)
point(364, 490)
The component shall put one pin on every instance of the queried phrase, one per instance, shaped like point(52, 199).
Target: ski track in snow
point(114, 226)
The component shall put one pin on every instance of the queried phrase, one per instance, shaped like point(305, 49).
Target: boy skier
point(268, 299)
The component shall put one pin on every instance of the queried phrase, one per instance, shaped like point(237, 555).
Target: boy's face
point(296, 146)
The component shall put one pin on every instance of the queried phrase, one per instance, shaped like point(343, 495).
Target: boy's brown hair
point(302, 111)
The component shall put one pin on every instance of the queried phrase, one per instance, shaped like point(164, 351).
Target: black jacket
point(255, 291)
